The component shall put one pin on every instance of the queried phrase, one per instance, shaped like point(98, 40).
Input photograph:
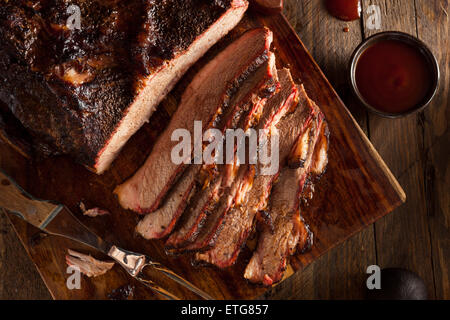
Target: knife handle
point(17, 201)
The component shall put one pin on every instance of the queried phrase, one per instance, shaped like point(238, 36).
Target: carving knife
point(56, 219)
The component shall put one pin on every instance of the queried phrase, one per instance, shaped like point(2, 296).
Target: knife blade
point(56, 219)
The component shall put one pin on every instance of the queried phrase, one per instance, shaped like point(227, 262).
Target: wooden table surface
point(416, 148)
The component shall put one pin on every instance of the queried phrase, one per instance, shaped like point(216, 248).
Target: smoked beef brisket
point(205, 100)
point(84, 92)
point(289, 231)
point(213, 224)
point(238, 224)
point(255, 90)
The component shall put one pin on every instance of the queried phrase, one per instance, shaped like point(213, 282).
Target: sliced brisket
point(254, 91)
point(174, 206)
point(238, 224)
point(285, 101)
point(201, 205)
point(290, 232)
point(235, 195)
point(205, 99)
point(84, 92)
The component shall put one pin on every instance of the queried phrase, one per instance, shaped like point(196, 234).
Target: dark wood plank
point(402, 238)
point(357, 190)
point(341, 273)
point(433, 29)
point(19, 278)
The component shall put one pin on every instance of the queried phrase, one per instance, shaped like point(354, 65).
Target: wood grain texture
point(357, 189)
point(330, 45)
point(402, 238)
point(19, 278)
point(433, 29)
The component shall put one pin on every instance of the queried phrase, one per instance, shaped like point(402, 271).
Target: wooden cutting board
point(357, 190)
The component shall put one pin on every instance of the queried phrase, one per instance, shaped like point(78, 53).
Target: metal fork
point(56, 219)
point(135, 264)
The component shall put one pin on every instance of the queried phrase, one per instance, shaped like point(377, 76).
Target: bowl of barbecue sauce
point(394, 74)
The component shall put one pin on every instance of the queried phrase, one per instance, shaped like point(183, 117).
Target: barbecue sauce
point(347, 10)
point(393, 76)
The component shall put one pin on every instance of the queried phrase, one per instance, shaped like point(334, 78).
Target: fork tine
point(154, 287)
point(134, 263)
point(172, 275)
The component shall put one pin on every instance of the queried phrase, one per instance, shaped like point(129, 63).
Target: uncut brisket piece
point(85, 92)
point(288, 231)
point(253, 92)
point(238, 224)
point(204, 100)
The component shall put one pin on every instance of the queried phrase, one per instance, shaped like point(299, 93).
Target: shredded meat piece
point(94, 212)
point(87, 265)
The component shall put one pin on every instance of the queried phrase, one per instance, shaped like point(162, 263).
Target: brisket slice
point(266, 116)
point(284, 102)
point(86, 92)
point(320, 157)
point(238, 224)
point(254, 91)
point(289, 231)
point(158, 224)
point(203, 204)
point(204, 100)
point(268, 268)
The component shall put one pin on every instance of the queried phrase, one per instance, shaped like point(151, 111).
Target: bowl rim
point(400, 36)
